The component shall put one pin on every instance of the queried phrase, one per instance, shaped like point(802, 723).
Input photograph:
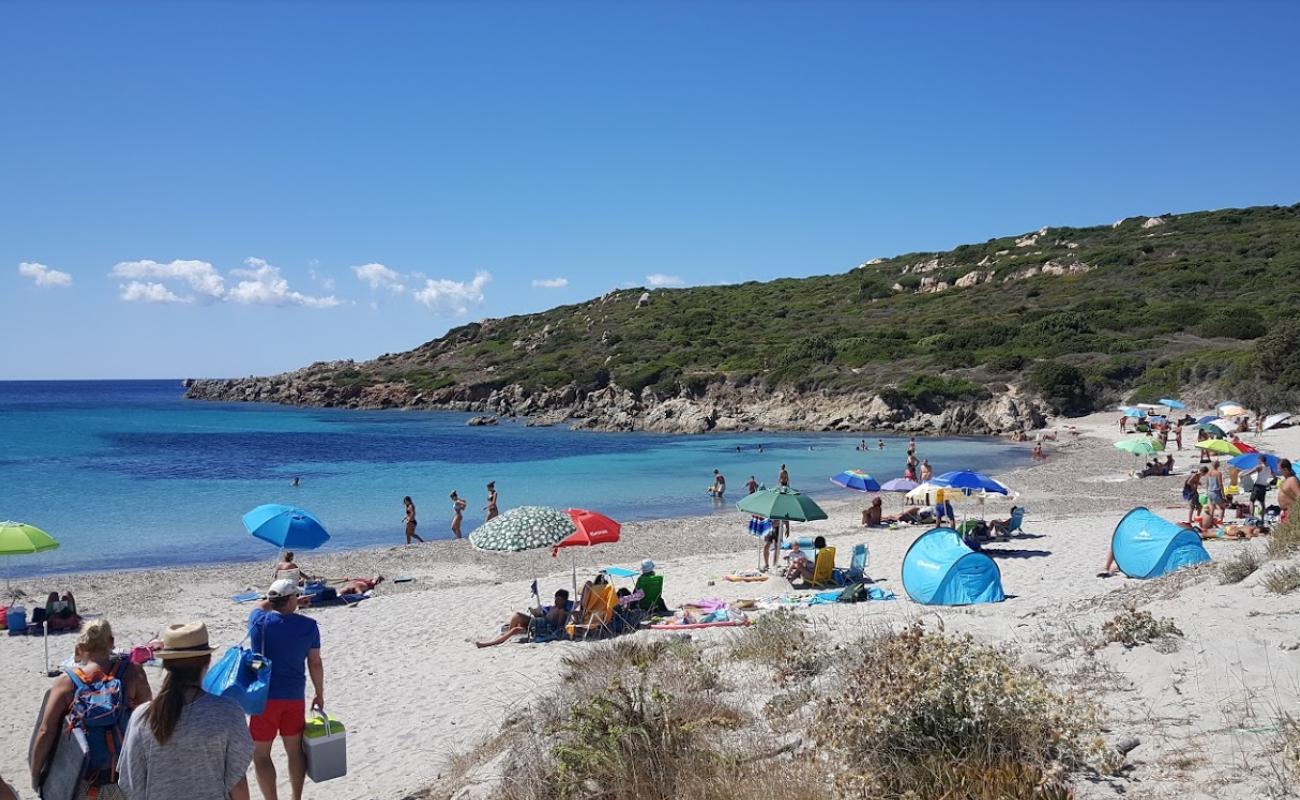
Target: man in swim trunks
point(1214, 489)
point(555, 617)
point(871, 516)
point(751, 485)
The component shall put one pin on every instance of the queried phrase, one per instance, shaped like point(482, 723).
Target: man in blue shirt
point(292, 644)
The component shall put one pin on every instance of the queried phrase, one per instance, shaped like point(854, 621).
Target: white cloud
point(43, 275)
point(202, 278)
point(262, 285)
point(550, 283)
point(140, 292)
point(380, 277)
point(454, 297)
point(660, 279)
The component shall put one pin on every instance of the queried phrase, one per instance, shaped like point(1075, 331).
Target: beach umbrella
point(1225, 425)
point(1171, 403)
point(925, 493)
point(1251, 460)
point(1273, 420)
point(1206, 419)
point(1220, 446)
point(286, 527)
point(524, 528)
point(1243, 447)
point(782, 503)
point(592, 528)
point(1230, 409)
point(1138, 447)
point(968, 481)
point(1135, 413)
point(1212, 429)
point(898, 485)
point(21, 539)
point(856, 480)
point(1149, 406)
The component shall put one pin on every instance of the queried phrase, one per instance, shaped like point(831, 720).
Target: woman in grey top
point(186, 743)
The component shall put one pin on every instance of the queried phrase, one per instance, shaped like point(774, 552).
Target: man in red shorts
point(292, 643)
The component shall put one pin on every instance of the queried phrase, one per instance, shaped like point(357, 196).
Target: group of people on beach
point(183, 742)
point(458, 505)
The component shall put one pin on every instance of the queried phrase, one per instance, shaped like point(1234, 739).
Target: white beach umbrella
point(1225, 425)
point(1273, 420)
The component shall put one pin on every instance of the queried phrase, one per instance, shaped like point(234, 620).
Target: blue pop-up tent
point(940, 570)
point(1148, 546)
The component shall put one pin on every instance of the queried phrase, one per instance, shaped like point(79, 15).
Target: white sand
point(402, 672)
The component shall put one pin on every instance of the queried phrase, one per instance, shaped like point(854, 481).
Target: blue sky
point(227, 189)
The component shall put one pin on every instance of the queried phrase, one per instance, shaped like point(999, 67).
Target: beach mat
point(246, 597)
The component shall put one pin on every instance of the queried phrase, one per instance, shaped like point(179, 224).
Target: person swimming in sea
point(457, 513)
point(410, 521)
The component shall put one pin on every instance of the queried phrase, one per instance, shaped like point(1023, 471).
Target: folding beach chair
point(595, 614)
point(823, 569)
point(857, 571)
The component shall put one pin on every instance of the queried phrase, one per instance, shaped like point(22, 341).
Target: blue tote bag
point(243, 675)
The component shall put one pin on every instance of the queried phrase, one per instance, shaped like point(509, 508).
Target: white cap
point(647, 566)
point(282, 588)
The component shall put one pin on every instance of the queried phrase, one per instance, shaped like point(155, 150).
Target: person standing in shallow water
point(784, 478)
point(457, 513)
point(490, 509)
point(410, 521)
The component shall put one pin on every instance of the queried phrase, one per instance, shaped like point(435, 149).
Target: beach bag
point(242, 675)
point(853, 593)
point(99, 711)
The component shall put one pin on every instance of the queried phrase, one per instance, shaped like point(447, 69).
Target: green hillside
point(1163, 306)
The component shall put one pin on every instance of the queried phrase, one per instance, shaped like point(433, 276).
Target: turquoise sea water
point(128, 474)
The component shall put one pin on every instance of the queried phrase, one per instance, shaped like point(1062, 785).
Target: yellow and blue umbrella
point(856, 480)
point(286, 527)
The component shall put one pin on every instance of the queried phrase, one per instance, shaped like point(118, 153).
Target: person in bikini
point(490, 510)
point(410, 521)
point(457, 513)
point(360, 585)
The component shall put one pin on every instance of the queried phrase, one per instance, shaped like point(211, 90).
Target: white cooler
point(325, 744)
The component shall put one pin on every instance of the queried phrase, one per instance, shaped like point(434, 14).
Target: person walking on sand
point(1178, 435)
point(490, 510)
point(410, 520)
point(784, 478)
point(1123, 423)
point(1263, 480)
point(1192, 493)
point(457, 513)
point(115, 687)
point(186, 743)
point(291, 642)
point(926, 471)
point(1214, 490)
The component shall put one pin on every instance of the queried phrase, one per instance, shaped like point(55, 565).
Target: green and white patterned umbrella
point(523, 528)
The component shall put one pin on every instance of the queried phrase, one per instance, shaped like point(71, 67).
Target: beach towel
point(745, 575)
point(759, 526)
point(838, 595)
point(247, 597)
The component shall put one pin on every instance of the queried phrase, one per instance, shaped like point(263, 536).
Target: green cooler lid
point(316, 726)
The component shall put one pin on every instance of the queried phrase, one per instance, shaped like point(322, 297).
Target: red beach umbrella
point(593, 528)
point(1242, 446)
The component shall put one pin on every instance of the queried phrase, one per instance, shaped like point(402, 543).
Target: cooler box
point(325, 743)
point(16, 620)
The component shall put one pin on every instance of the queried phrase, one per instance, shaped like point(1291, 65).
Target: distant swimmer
point(410, 521)
point(880, 444)
point(296, 480)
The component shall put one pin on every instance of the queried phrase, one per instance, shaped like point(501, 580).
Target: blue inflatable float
point(940, 570)
point(1148, 546)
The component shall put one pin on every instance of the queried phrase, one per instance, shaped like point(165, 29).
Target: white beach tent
point(1273, 420)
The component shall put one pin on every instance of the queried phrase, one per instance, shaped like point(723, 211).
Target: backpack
point(853, 593)
point(99, 710)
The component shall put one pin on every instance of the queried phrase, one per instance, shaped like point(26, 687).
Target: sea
point(129, 474)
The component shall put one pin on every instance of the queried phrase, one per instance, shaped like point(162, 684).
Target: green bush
point(1064, 387)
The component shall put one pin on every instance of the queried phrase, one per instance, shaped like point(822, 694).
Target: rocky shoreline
point(720, 407)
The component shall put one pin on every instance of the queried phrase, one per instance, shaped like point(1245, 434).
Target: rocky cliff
point(721, 407)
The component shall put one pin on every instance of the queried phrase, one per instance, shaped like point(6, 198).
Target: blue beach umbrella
point(286, 527)
point(1251, 460)
point(1206, 418)
point(898, 485)
point(968, 481)
point(1135, 413)
point(857, 480)
point(1172, 403)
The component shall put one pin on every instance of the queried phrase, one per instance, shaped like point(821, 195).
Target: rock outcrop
point(721, 407)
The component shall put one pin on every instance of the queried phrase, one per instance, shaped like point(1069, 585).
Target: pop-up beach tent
point(940, 570)
point(1148, 546)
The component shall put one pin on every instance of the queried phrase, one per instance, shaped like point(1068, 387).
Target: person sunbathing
point(1225, 531)
point(61, 612)
point(287, 564)
point(359, 585)
point(801, 566)
point(553, 619)
point(912, 516)
point(872, 517)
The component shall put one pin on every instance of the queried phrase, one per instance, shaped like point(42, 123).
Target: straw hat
point(184, 640)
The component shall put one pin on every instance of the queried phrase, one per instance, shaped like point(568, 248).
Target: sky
point(214, 190)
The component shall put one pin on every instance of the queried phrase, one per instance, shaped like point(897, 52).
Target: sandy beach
point(404, 675)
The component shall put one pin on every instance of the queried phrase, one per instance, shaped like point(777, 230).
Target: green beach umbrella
point(782, 503)
point(1222, 446)
point(523, 528)
point(1138, 447)
point(19, 538)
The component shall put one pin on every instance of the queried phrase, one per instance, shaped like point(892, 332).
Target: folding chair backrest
point(1017, 519)
point(653, 586)
point(294, 575)
point(858, 567)
point(598, 605)
point(824, 567)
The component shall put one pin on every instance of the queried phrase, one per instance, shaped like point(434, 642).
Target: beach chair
point(857, 571)
point(823, 570)
point(1013, 525)
point(595, 614)
point(294, 575)
point(652, 587)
